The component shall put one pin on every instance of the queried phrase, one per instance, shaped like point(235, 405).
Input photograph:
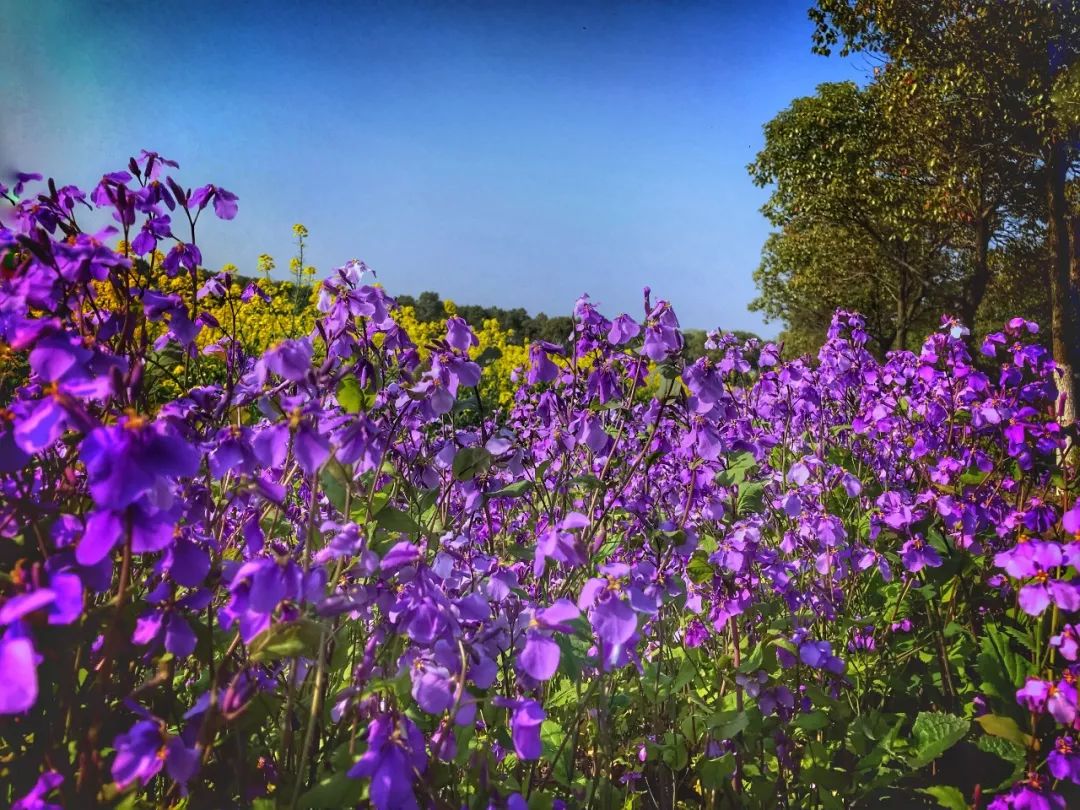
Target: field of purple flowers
point(333, 576)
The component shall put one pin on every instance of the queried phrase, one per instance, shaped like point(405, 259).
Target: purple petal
point(1064, 595)
point(540, 657)
point(525, 729)
point(614, 621)
point(103, 531)
point(21, 605)
point(1034, 599)
point(19, 685)
point(558, 615)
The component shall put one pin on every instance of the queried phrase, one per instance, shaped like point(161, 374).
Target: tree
point(1009, 67)
point(853, 214)
point(806, 274)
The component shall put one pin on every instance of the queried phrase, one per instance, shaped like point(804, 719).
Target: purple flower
point(290, 359)
point(18, 663)
point(1061, 702)
point(1035, 597)
point(459, 335)
point(225, 204)
point(310, 447)
point(818, 654)
point(1030, 794)
point(1064, 761)
point(151, 530)
point(144, 750)
point(917, 554)
point(1067, 642)
point(168, 629)
point(70, 373)
point(233, 451)
point(401, 555)
point(623, 329)
point(662, 335)
point(1029, 557)
point(614, 622)
point(614, 602)
point(152, 163)
point(394, 758)
point(561, 543)
point(1033, 694)
point(35, 799)
point(540, 655)
point(182, 254)
point(224, 201)
point(153, 230)
point(541, 369)
point(127, 460)
point(526, 718)
point(63, 597)
point(21, 179)
point(777, 699)
point(1070, 521)
point(799, 474)
point(432, 687)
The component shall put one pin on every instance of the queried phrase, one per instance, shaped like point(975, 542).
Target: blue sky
point(511, 154)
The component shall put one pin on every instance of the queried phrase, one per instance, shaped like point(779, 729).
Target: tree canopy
point(946, 183)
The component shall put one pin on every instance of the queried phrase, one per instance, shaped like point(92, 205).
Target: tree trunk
point(975, 289)
point(902, 295)
point(1064, 291)
point(1074, 273)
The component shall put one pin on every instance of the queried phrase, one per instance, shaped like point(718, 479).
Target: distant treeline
point(525, 328)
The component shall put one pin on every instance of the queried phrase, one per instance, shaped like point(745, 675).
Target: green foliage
point(935, 733)
point(927, 189)
point(856, 228)
point(526, 328)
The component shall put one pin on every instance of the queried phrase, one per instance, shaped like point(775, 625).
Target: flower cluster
point(343, 568)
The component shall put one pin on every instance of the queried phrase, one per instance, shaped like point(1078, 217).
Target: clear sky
point(510, 154)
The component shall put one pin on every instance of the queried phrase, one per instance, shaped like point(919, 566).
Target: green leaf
point(1005, 727)
point(471, 462)
point(354, 399)
point(725, 725)
point(935, 733)
point(1003, 748)
point(287, 640)
point(394, 520)
point(133, 801)
point(1002, 667)
point(1009, 751)
point(335, 790)
point(674, 752)
point(714, 772)
point(699, 569)
point(465, 737)
point(669, 370)
point(574, 654)
point(750, 497)
point(488, 356)
point(737, 469)
point(514, 490)
point(349, 396)
point(335, 483)
point(669, 382)
point(551, 738)
point(686, 674)
point(946, 796)
point(812, 721)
